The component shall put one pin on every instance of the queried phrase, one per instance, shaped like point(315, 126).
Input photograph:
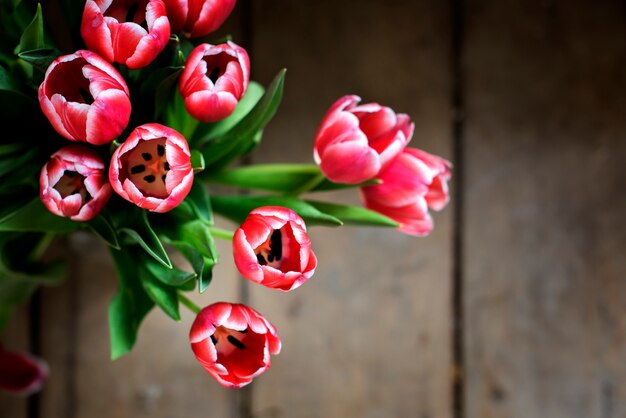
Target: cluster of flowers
point(87, 100)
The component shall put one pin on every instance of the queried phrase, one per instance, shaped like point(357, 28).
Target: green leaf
point(237, 208)
point(203, 266)
point(197, 161)
point(102, 227)
point(164, 296)
point(40, 58)
point(282, 178)
point(354, 215)
point(244, 135)
point(208, 131)
point(129, 306)
point(172, 277)
point(177, 117)
point(143, 234)
point(32, 37)
point(5, 314)
point(160, 85)
point(35, 217)
point(7, 82)
point(199, 202)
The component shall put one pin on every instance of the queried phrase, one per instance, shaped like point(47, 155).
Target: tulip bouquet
point(130, 112)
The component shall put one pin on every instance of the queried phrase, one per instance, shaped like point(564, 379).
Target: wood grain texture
point(545, 94)
point(369, 334)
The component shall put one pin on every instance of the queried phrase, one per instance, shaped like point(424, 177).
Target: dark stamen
point(150, 178)
point(166, 166)
point(213, 339)
point(86, 96)
point(70, 173)
point(146, 156)
point(261, 259)
point(214, 74)
point(137, 169)
point(270, 258)
point(132, 11)
point(163, 177)
point(75, 191)
point(276, 244)
point(245, 331)
point(160, 150)
point(234, 341)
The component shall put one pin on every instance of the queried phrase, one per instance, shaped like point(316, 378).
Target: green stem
point(221, 233)
point(189, 304)
point(42, 246)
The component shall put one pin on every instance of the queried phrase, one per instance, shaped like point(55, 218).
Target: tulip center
point(227, 340)
point(270, 252)
point(129, 11)
point(216, 65)
point(71, 183)
point(147, 168)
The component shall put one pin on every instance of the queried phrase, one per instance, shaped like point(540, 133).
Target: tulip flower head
point(21, 373)
point(197, 18)
point(152, 168)
point(271, 247)
point(233, 343)
point(85, 98)
point(413, 183)
point(355, 142)
point(73, 183)
point(129, 32)
point(214, 79)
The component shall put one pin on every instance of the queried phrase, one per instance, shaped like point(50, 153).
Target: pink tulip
point(85, 98)
point(233, 343)
point(414, 182)
point(21, 373)
point(271, 247)
point(152, 168)
point(214, 79)
point(73, 183)
point(129, 32)
point(355, 142)
point(196, 18)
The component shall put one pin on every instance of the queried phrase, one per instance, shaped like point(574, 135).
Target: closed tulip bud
point(21, 373)
point(414, 182)
point(74, 184)
point(355, 142)
point(152, 168)
point(85, 98)
point(129, 32)
point(214, 79)
point(197, 18)
point(272, 248)
point(233, 343)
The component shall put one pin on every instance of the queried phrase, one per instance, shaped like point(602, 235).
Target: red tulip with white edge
point(85, 98)
point(21, 373)
point(414, 182)
point(129, 32)
point(197, 18)
point(152, 168)
point(355, 142)
point(272, 248)
point(214, 79)
point(74, 184)
point(233, 343)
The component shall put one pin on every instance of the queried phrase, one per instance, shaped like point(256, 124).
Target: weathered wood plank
point(15, 337)
point(369, 334)
point(544, 243)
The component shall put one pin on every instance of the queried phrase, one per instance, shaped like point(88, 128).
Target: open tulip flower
point(355, 142)
point(214, 79)
point(129, 32)
point(233, 343)
point(152, 168)
point(85, 98)
point(196, 18)
point(74, 184)
point(21, 373)
point(415, 181)
point(271, 247)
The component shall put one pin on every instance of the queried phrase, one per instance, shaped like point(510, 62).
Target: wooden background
point(515, 306)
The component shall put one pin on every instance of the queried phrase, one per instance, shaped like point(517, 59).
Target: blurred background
point(515, 306)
